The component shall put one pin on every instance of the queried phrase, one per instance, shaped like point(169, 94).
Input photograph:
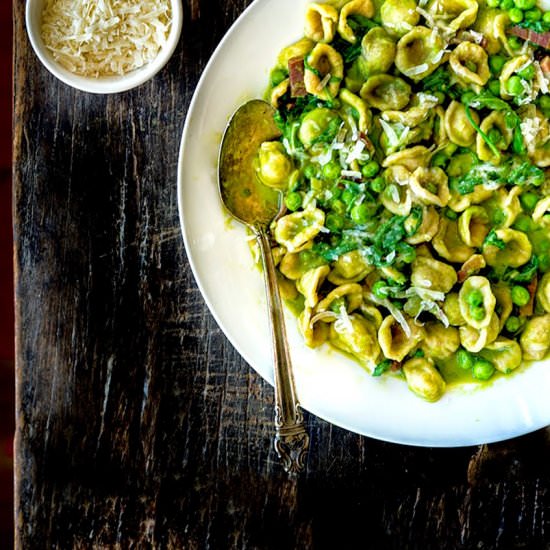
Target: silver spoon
point(257, 205)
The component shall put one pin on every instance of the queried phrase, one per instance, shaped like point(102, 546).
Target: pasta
point(415, 235)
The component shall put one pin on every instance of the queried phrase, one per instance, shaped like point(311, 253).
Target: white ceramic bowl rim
point(103, 85)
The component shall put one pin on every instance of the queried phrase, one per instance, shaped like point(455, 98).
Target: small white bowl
point(106, 84)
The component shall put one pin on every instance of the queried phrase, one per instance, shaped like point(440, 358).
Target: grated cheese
point(105, 37)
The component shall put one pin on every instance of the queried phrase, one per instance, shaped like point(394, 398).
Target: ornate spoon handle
point(291, 439)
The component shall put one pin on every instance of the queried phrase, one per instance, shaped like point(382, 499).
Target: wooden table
point(138, 425)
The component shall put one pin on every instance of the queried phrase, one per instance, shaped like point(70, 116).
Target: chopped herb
point(492, 240)
point(523, 274)
point(382, 367)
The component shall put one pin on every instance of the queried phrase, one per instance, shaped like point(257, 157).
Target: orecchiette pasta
point(414, 227)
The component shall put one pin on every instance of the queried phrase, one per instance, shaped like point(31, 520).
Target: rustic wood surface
point(138, 425)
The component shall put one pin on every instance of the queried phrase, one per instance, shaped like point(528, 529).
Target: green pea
point(450, 214)
point(520, 295)
point(380, 290)
point(544, 100)
point(506, 4)
point(512, 324)
point(525, 4)
point(475, 298)
point(334, 222)
point(477, 312)
point(277, 76)
point(464, 359)
point(331, 170)
point(378, 184)
point(546, 17)
point(494, 87)
point(515, 42)
point(514, 86)
point(482, 369)
point(407, 253)
point(310, 171)
point(515, 15)
point(494, 135)
point(528, 73)
point(544, 262)
point(529, 201)
point(338, 207)
point(522, 223)
point(337, 304)
point(496, 62)
point(360, 213)
point(348, 196)
point(439, 159)
point(370, 169)
point(534, 14)
point(293, 201)
point(467, 97)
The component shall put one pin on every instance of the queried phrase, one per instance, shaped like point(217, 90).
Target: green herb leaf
point(493, 240)
point(382, 367)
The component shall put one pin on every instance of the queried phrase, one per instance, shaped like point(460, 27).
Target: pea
point(439, 159)
point(380, 290)
point(370, 169)
point(544, 100)
point(337, 305)
point(534, 14)
point(522, 223)
point(360, 213)
point(546, 17)
point(525, 4)
point(310, 171)
point(494, 87)
point(515, 42)
point(494, 135)
point(477, 312)
point(475, 298)
point(512, 324)
point(496, 62)
point(338, 207)
point(506, 4)
point(529, 201)
point(331, 170)
point(467, 97)
point(482, 369)
point(514, 86)
point(378, 184)
point(515, 15)
point(464, 359)
point(528, 73)
point(334, 222)
point(450, 214)
point(520, 295)
point(544, 262)
point(348, 196)
point(407, 253)
point(293, 201)
point(277, 76)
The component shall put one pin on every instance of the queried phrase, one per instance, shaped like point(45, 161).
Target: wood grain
point(138, 425)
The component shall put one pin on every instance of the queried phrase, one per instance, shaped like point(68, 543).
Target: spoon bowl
point(257, 205)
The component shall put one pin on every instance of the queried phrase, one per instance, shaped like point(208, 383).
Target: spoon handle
point(291, 439)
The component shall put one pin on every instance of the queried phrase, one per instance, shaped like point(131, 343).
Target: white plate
point(329, 385)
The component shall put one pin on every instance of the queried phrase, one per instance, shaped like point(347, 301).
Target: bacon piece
point(527, 309)
point(539, 38)
point(296, 77)
point(545, 64)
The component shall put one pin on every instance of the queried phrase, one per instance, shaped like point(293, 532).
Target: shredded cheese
point(105, 37)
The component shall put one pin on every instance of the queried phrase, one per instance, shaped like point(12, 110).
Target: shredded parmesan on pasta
point(105, 37)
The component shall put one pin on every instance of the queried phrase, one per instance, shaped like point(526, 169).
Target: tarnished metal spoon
point(257, 205)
